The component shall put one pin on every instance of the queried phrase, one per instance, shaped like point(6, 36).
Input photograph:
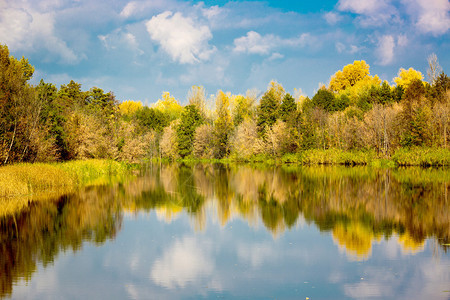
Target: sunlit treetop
point(169, 105)
point(349, 76)
point(276, 90)
point(129, 107)
point(405, 77)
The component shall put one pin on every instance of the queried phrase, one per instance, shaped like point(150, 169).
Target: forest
point(355, 114)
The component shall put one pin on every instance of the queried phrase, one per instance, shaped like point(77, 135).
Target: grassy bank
point(402, 157)
point(30, 179)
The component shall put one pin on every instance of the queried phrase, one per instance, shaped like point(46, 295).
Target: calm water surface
point(213, 231)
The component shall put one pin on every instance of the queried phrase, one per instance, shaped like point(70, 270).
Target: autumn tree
point(169, 141)
point(197, 97)
point(204, 141)
point(406, 77)
point(349, 76)
point(169, 106)
point(222, 125)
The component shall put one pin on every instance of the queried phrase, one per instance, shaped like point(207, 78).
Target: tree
point(129, 107)
point(324, 99)
point(440, 87)
point(169, 141)
point(190, 120)
point(204, 141)
point(197, 97)
point(150, 118)
point(406, 77)
point(222, 125)
point(169, 105)
point(242, 108)
point(434, 69)
point(268, 108)
point(245, 142)
point(54, 117)
point(349, 76)
point(287, 107)
point(416, 115)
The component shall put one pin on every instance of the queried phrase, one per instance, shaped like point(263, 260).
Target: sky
point(140, 49)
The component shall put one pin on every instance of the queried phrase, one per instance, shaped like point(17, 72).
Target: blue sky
point(139, 49)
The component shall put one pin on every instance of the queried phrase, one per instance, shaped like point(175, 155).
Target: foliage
point(190, 120)
point(406, 77)
point(349, 76)
point(222, 125)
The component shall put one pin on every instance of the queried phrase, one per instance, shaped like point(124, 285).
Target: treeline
point(356, 111)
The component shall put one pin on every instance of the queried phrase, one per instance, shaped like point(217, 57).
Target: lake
point(236, 231)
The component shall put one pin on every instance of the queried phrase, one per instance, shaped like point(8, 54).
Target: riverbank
point(425, 157)
point(30, 178)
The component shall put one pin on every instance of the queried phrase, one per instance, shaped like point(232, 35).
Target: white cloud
point(387, 45)
point(180, 37)
point(431, 16)
point(186, 263)
point(385, 50)
point(372, 12)
point(26, 29)
point(118, 38)
point(332, 18)
point(352, 49)
point(340, 47)
point(140, 8)
point(276, 55)
point(129, 9)
point(254, 43)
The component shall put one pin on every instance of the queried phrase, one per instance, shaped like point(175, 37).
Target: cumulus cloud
point(386, 47)
point(138, 8)
point(254, 43)
point(372, 12)
point(332, 18)
point(431, 16)
point(26, 29)
point(180, 37)
point(385, 50)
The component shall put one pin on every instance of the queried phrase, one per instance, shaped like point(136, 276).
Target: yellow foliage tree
point(349, 75)
point(129, 107)
point(405, 77)
point(169, 105)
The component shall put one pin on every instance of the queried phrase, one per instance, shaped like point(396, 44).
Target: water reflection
point(359, 207)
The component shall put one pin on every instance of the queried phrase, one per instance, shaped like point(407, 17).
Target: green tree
point(268, 108)
point(190, 120)
point(325, 100)
point(287, 108)
point(150, 118)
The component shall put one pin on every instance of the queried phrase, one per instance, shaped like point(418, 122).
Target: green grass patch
point(421, 156)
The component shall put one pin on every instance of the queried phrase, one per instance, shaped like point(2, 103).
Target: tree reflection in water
point(358, 206)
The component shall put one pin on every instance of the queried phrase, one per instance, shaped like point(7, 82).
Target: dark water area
point(236, 231)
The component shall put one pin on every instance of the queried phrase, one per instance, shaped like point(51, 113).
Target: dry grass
point(22, 183)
